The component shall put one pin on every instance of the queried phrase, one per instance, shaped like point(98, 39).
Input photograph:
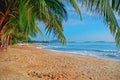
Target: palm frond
point(116, 5)
point(76, 7)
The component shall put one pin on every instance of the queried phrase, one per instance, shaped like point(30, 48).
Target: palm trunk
point(2, 20)
point(7, 42)
point(4, 16)
point(4, 43)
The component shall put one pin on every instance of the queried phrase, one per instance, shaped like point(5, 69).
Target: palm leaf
point(75, 5)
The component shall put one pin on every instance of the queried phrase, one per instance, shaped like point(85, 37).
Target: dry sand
point(30, 63)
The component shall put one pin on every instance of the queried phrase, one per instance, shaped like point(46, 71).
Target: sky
point(91, 28)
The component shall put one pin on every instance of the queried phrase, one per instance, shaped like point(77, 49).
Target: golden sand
point(30, 63)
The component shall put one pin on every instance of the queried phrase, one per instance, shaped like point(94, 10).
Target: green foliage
point(51, 12)
point(21, 20)
point(76, 6)
point(116, 5)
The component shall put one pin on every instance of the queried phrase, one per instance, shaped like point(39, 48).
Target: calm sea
point(103, 50)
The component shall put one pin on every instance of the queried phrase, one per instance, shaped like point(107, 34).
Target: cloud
point(73, 22)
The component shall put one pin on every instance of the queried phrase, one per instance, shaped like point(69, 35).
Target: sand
point(29, 63)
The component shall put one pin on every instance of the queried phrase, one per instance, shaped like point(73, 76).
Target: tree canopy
point(18, 18)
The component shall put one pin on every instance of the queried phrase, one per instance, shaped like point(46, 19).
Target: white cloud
point(73, 22)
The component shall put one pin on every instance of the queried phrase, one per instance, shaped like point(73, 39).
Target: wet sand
point(29, 63)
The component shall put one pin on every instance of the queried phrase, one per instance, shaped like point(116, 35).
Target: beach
point(26, 62)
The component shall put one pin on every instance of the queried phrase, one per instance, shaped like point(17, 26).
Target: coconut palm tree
point(51, 12)
point(18, 21)
point(8, 10)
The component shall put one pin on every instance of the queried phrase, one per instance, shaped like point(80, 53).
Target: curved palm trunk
point(4, 43)
point(2, 20)
point(4, 16)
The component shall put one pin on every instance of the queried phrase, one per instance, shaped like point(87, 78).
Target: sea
point(99, 49)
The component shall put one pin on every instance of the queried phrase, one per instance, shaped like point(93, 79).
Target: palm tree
point(18, 21)
point(51, 12)
point(8, 10)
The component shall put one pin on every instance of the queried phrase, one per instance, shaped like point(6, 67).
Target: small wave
point(104, 53)
point(107, 51)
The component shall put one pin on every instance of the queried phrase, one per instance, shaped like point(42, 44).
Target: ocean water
point(102, 50)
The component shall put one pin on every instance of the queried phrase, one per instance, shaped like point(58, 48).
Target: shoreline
point(81, 54)
point(26, 62)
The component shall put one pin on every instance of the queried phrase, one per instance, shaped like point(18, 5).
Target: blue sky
point(91, 28)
